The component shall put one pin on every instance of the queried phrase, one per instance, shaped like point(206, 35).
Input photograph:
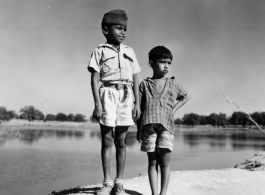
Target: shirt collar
point(114, 48)
point(150, 79)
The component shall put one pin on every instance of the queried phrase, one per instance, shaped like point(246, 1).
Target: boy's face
point(115, 34)
point(161, 66)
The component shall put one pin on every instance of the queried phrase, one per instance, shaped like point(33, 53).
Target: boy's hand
point(139, 135)
point(97, 113)
point(136, 113)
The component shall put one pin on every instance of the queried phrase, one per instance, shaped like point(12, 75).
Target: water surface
point(41, 161)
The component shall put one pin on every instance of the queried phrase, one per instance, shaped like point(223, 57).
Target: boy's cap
point(116, 16)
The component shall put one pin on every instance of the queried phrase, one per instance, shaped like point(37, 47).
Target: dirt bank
point(232, 181)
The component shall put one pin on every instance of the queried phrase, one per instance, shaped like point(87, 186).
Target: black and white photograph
point(132, 97)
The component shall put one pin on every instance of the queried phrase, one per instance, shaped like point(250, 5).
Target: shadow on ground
point(88, 191)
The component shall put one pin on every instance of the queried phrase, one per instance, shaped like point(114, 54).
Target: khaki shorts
point(117, 106)
point(156, 136)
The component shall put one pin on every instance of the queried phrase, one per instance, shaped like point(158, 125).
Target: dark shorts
point(156, 136)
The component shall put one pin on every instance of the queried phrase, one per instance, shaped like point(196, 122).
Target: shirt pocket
point(128, 62)
point(107, 64)
point(126, 66)
point(107, 61)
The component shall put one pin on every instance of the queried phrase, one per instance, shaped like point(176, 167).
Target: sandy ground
point(205, 182)
point(247, 179)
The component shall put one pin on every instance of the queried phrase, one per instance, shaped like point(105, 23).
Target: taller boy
point(114, 83)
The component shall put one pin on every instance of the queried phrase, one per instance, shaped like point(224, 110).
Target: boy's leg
point(153, 171)
point(119, 140)
point(164, 159)
point(106, 146)
point(120, 144)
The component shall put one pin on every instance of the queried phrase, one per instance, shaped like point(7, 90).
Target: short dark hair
point(159, 52)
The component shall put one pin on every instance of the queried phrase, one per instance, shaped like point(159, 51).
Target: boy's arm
point(181, 102)
point(139, 121)
point(97, 113)
point(136, 111)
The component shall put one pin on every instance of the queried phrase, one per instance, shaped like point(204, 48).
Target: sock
point(108, 182)
point(119, 181)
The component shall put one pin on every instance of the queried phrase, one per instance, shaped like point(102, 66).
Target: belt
point(118, 86)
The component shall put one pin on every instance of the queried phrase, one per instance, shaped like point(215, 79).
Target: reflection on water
point(241, 146)
point(237, 141)
point(40, 161)
point(30, 136)
point(130, 139)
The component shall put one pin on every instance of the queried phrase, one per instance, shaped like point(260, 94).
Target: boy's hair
point(159, 52)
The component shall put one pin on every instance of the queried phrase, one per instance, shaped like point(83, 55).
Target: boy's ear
point(105, 30)
point(151, 64)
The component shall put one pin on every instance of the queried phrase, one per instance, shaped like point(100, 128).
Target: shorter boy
point(160, 97)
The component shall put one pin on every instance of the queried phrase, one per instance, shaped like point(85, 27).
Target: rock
point(255, 163)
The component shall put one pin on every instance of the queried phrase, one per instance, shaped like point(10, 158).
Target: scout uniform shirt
point(114, 66)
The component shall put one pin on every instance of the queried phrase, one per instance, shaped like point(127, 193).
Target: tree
point(50, 117)
point(178, 121)
point(263, 119)
point(28, 112)
point(191, 119)
point(3, 114)
point(79, 118)
point(213, 119)
point(239, 118)
point(70, 117)
point(38, 115)
point(61, 117)
point(23, 116)
point(257, 117)
point(203, 120)
point(11, 114)
point(222, 119)
point(6, 115)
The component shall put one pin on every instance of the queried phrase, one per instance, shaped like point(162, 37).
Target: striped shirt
point(158, 107)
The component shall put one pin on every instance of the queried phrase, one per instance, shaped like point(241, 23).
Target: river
point(37, 162)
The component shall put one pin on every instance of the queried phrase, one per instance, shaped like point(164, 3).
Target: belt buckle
point(118, 86)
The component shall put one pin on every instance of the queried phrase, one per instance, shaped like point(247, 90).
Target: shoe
point(104, 190)
point(117, 189)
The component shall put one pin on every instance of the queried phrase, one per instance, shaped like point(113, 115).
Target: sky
point(218, 48)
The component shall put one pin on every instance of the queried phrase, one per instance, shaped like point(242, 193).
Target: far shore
point(37, 124)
